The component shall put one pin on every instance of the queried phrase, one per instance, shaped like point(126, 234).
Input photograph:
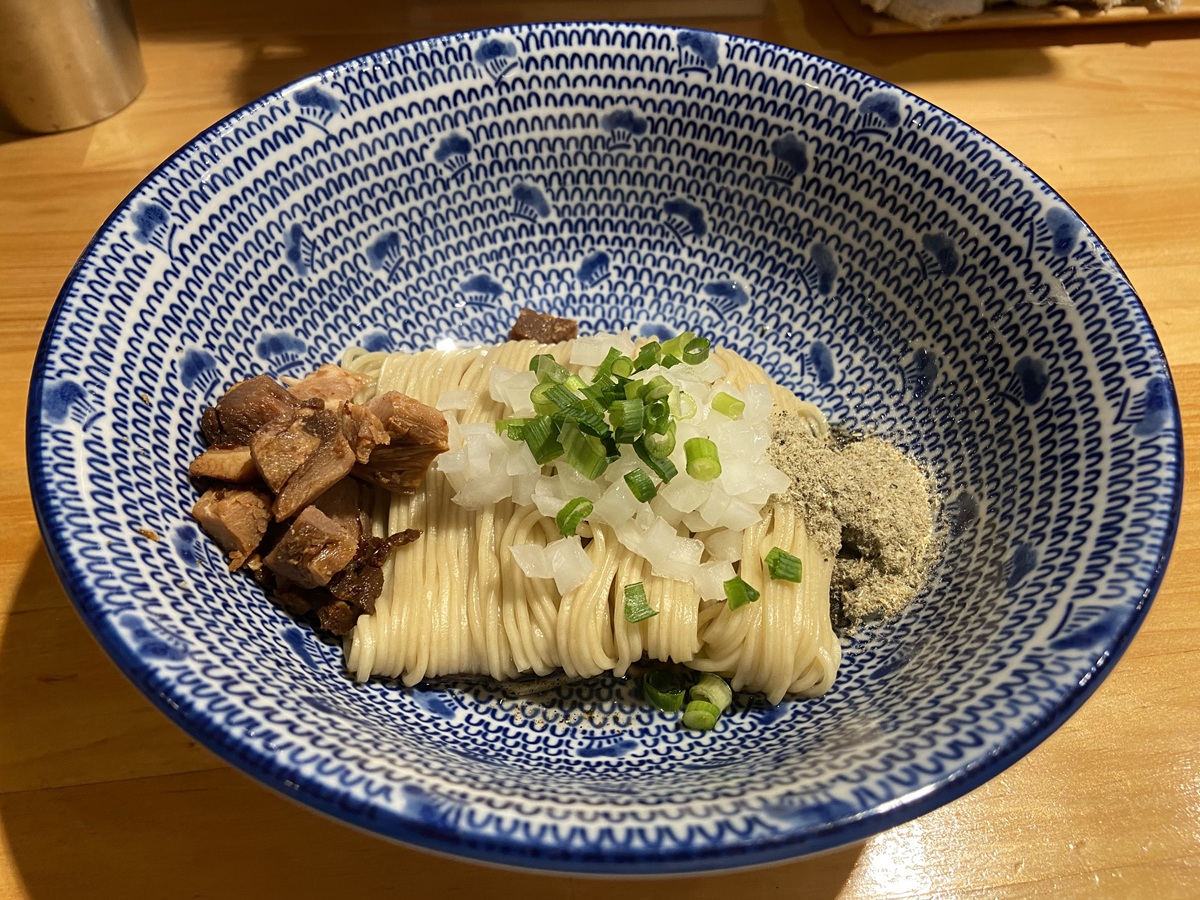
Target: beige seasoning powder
point(867, 505)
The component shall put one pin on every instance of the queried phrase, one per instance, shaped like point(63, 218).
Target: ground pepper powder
point(866, 505)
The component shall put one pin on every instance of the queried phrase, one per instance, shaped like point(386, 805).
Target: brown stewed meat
point(324, 467)
point(314, 549)
point(245, 408)
point(344, 503)
point(364, 431)
point(416, 435)
point(236, 518)
point(545, 329)
point(337, 616)
point(225, 464)
point(292, 450)
point(331, 384)
point(362, 581)
point(279, 448)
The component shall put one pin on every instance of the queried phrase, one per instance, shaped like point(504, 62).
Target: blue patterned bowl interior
point(871, 251)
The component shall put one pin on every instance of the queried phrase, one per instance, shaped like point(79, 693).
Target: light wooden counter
point(101, 796)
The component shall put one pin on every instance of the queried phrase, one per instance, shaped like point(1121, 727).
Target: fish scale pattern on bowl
point(869, 250)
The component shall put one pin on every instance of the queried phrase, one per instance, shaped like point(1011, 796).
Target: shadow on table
point(102, 796)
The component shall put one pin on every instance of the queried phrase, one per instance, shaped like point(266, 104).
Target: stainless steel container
point(66, 63)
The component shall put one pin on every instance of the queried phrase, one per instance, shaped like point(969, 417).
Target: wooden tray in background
point(862, 21)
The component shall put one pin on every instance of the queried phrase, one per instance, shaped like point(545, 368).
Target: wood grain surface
point(101, 796)
point(862, 20)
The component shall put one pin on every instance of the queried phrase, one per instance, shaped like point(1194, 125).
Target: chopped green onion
point(513, 429)
point(626, 417)
point(633, 390)
point(713, 689)
point(673, 349)
point(662, 445)
point(703, 463)
point(637, 607)
point(658, 416)
point(623, 367)
point(783, 566)
point(662, 687)
point(584, 453)
point(728, 405)
point(605, 367)
point(599, 395)
point(589, 421)
point(560, 396)
point(669, 362)
point(683, 405)
point(648, 356)
point(541, 435)
point(572, 513)
point(738, 593)
point(696, 351)
point(575, 383)
point(662, 467)
point(700, 715)
point(657, 388)
point(537, 397)
point(641, 485)
point(548, 368)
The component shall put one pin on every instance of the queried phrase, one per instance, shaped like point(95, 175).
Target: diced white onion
point(630, 537)
point(710, 370)
point(666, 512)
point(659, 533)
point(485, 467)
point(758, 403)
point(646, 517)
point(520, 461)
point(714, 508)
point(532, 560)
point(515, 393)
point(452, 435)
point(522, 490)
point(685, 493)
point(454, 400)
point(570, 563)
point(711, 577)
point(483, 490)
point(616, 505)
point(738, 476)
point(773, 480)
point(734, 441)
point(452, 460)
point(590, 351)
point(497, 378)
point(724, 545)
point(571, 484)
point(738, 515)
point(683, 561)
point(546, 496)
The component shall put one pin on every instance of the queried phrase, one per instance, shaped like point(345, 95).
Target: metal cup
point(66, 63)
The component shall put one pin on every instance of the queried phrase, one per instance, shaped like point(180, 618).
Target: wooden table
point(101, 796)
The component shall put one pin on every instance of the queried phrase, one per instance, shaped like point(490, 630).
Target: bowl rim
point(389, 823)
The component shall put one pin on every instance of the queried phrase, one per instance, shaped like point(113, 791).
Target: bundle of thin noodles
point(495, 589)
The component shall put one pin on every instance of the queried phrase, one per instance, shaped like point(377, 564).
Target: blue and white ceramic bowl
point(871, 251)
